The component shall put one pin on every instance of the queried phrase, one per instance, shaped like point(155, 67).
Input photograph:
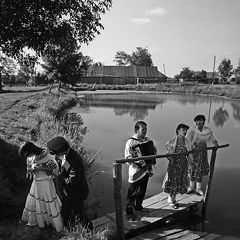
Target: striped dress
point(43, 205)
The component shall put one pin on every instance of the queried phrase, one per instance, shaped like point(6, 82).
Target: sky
point(177, 33)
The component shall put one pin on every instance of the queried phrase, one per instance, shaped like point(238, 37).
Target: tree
point(27, 64)
point(8, 67)
point(140, 57)
point(38, 24)
point(225, 69)
point(237, 70)
point(186, 74)
point(202, 76)
point(122, 58)
point(65, 67)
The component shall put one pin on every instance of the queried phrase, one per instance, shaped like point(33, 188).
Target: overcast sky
point(177, 33)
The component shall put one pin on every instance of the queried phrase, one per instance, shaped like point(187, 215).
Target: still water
point(110, 120)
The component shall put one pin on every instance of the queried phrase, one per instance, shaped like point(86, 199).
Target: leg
point(191, 188)
point(141, 191)
point(199, 186)
point(131, 197)
point(66, 210)
point(172, 201)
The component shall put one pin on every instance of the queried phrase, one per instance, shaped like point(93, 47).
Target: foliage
point(27, 64)
point(140, 57)
point(225, 69)
point(38, 24)
point(186, 74)
point(122, 58)
point(65, 65)
point(237, 70)
point(9, 64)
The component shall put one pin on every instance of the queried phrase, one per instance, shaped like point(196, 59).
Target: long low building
point(123, 75)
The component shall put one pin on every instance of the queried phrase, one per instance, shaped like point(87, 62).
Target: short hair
point(199, 118)
point(181, 125)
point(57, 145)
point(28, 148)
point(138, 124)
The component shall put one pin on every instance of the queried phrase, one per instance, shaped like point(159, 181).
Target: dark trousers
point(136, 194)
point(72, 210)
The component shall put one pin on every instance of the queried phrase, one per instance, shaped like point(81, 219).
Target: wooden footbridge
point(154, 224)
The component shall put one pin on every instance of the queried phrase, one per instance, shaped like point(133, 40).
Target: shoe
point(173, 205)
point(142, 210)
point(190, 190)
point(131, 218)
point(199, 192)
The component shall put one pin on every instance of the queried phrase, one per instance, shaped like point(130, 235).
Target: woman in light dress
point(199, 135)
point(42, 205)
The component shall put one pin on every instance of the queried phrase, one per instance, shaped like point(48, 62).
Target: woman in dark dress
point(177, 177)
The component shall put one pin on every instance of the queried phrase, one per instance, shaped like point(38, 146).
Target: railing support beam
point(117, 180)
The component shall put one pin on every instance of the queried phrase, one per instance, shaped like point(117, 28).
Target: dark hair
point(181, 125)
point(199, 118)
point(138, 124)
point(27, 148)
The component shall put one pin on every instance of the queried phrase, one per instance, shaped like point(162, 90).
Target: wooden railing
point(117, 178)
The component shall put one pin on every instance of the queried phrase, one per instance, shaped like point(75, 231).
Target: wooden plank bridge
point(159, 212)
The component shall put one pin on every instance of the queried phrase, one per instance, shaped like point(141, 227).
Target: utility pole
point(164, 69)
point(214, 60)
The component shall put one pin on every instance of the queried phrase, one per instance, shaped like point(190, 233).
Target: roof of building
point(124, 71)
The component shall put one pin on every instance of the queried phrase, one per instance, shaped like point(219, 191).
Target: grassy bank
point(36, 117)
point(230, 91)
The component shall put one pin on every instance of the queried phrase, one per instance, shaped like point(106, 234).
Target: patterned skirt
point(43, 205)
point(200, 159)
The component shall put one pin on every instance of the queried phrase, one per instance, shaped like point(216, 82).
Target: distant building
point(123, 75)
point(210, 75)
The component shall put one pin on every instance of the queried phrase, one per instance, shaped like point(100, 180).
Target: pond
point(110, 120)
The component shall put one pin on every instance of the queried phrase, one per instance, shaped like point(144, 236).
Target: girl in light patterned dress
point(177, 177)
point(43, 205)
point(199, 136)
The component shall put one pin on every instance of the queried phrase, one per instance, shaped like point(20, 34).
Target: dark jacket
point(73, 179)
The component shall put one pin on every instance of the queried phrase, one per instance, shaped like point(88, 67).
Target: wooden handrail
point(125, 160)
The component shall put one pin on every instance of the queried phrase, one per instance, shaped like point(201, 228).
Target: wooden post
point(207, 192)
point(117, 179)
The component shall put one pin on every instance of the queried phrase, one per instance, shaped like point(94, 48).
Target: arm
point(213, 139)
point(170, 149)
point(130, 152)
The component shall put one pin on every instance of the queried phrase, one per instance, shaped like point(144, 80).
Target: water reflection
point(236, 110)
point(136, 106)
point(220, 116)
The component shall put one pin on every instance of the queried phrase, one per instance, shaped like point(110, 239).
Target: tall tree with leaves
point(237, 69)
point(27, 64)
point(65, 66)
point(186, 74)
point(225, 69)
point(140, 57)
point(38, 24)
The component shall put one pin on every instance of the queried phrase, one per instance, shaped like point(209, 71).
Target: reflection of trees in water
point(136, 113)
point(220, 116)
point(236, 110)
point(136, 106)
